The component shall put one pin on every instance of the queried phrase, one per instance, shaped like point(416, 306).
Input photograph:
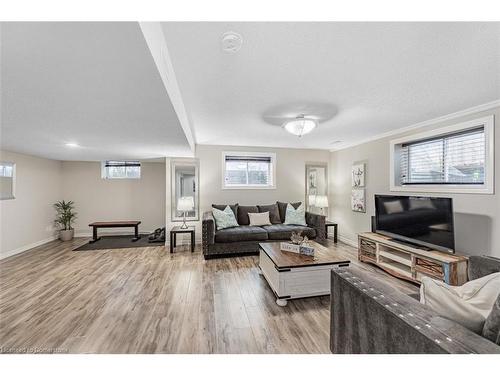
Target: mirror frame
point(308, 167)
point(191, 163)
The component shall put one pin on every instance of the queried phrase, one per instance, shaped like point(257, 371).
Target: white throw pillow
point(259, 219)
point(469, 304)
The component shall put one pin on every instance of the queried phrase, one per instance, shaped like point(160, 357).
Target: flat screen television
point(422, 221)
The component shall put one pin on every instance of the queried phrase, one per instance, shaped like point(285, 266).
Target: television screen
point(424, 221)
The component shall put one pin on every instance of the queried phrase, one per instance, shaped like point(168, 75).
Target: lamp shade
point(185, 204)
point(321, 201)
point(312, 200)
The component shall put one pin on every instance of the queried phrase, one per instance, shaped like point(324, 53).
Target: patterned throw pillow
point(224, 219)
point(295, 216)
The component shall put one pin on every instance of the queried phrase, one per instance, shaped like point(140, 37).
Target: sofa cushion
point(282, 208)
point(243, 233)
point(243, 214)
point(491, 329)
point(221, 207)
point(480, 266)
point(274, 213)
point(283, 232)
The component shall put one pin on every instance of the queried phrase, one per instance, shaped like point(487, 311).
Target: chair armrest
point(370, 316)
point(480, 266)
point(317, 222)
point(208, 230)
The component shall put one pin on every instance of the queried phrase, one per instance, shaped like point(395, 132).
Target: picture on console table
point(358, 200)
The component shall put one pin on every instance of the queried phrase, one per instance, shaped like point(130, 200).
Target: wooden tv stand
point(411, 263)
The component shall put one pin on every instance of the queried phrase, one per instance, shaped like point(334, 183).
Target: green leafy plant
point(65, 214)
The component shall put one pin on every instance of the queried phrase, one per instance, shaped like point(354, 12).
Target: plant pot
point(66, 235)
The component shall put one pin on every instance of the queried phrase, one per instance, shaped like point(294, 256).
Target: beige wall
point(98, 199)
point(477, 220)
point(27, 220)
point(290, 178)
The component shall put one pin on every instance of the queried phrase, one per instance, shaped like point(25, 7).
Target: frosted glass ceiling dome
point(300, 125)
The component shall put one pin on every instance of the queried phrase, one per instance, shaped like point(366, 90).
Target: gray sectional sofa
point(369, 316)
point(245, 238)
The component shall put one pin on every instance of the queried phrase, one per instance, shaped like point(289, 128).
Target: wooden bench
point(114, 224)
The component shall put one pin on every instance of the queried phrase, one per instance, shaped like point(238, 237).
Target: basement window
point(7, 180)
point(457, 158)
point(248, 170)
point(113, 169)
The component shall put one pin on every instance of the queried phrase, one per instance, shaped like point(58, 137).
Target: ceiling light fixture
point(300, 125)
point(72, 144)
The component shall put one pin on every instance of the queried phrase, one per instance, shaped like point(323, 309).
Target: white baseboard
point(27, 247)
point(348, 241)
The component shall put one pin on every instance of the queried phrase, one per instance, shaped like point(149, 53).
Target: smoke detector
point(231, 42)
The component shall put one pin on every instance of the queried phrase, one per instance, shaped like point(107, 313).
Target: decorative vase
point(66, 235)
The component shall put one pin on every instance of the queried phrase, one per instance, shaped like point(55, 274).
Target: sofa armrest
point(317, 222)
point(370, 316)
point(208, 230)
point(480, 266)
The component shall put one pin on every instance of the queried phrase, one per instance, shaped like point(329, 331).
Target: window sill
point(458, 189)
point(248, 187)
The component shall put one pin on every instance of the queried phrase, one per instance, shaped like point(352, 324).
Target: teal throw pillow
point(295, 216)
point(224, 219)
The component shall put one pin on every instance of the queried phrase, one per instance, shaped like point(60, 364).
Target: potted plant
point(65, 217)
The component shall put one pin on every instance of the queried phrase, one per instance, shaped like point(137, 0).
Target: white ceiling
point(375, 77)
point(95, 84)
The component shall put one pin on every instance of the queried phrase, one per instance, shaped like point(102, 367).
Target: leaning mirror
point(317, 188)
point(185, 194)
point(7, 180)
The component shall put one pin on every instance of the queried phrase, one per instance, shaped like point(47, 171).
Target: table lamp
point(321, 202)
point(185, 204)
point(312, 200)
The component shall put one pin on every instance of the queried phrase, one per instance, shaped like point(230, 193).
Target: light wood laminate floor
point(145, 300)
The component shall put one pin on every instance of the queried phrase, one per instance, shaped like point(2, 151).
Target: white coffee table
point(292, 275)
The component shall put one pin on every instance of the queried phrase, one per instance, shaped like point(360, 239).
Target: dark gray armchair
point(370, 316)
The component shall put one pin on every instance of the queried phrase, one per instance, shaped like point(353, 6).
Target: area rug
point(118, 242)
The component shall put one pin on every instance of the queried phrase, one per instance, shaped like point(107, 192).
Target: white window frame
point(104, 175)
point(249, 187)
point(488, 122)
point(13, 165)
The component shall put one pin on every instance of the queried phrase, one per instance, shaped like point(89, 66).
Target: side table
point(335, 229)
point(173, 236)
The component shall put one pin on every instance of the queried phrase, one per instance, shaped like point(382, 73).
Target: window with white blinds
point(7, 176)
point(455, 159)
point(118, 169)
point(248, 170)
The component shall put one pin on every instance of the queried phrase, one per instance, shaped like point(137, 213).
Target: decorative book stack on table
point(304, 249)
